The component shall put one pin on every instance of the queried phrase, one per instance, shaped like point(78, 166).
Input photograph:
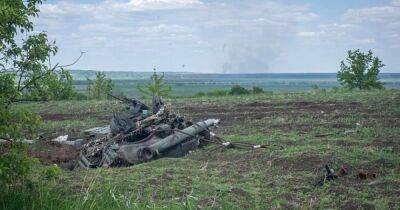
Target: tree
point(55, 86)
point(27, 60)
point(25, 68)
point(100, 87)
point(360, 70)
point(156, 87)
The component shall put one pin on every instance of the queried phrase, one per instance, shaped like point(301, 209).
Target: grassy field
point(303, 132)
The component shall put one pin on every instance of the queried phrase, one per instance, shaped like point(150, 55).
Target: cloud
point(162, 4)
point(210, 35)
point(162, 28)
point(396, 3)
point(330, 32)
point(366, 41)
point(106, 7)
point(376, 24)
point(307, 34)
point(373, 14)
point(160, 25)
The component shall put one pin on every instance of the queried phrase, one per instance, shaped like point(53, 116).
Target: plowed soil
point(66, 156)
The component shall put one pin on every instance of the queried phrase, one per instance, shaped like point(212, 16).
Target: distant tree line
point(235, 90)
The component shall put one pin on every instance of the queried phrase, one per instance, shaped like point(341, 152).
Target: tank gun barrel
point(153, 150)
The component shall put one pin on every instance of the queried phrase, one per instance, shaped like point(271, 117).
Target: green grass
point(279, 176)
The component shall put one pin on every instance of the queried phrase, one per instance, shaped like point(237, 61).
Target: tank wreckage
point(143, 134)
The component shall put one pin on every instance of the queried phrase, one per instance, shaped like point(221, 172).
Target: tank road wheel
point(146, 154)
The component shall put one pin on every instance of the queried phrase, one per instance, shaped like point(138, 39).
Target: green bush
point(15, 166)
point(360, 70)
point(200, 94)
point(235, 90)
point(25, 69)
point(314, 87)
point(217, 93)
point(335, 89)
point(100, 87)
point(36, 190)
point(156, 87)
point(238, 90)
point(257, 90)
point(17, 123)
point(7, 86)
point(80, 96)
point(268, 92)
point(51, 172)
point(55, 86)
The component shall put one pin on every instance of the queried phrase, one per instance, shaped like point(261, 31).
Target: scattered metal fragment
point(346, 132)
point(366, 175)
point(97, 132)
point(24, 141)
point(331, 175)
point(61, 139)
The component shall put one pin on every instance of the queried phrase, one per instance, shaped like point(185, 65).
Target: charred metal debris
point(143, 134)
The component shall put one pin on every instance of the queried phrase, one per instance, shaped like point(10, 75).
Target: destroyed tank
point(136, 136)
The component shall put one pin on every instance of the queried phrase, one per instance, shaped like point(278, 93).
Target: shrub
point(268, 92)
point(80, 96)
point(360, 70)
point(17, 123)
point(100, 87)
point(335, 89)
point(200, 94)
point(238, 90)
point(257, 90)
point(25, 70)
point(217, 93)
point(15, 166)
point(55, 86)
point(156, 87)
point(51, 172)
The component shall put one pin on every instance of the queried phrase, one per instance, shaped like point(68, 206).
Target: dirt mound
point(49, 152)
point(59, 117)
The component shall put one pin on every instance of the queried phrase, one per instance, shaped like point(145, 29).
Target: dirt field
point(248, 114)
point(359, 132)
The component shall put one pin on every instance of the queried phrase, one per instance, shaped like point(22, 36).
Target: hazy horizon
point(221, 36)
point(189, 72)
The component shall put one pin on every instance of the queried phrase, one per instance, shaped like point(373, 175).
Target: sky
point(221, 36)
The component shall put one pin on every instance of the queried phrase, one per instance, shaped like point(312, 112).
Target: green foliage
point(100, 87)
point(15, 17)
point(238, 90)
point(314, 87)
point(257, 90)
point(51, 172)
point(25, 69)
point(16, 123)
point(157, 86)
point(27, 61)
point(200, 94)
point(55, 86)
point(217, 93)
point(235, 90)
point(7, 86)
point(360, 70)
point(15, 166)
